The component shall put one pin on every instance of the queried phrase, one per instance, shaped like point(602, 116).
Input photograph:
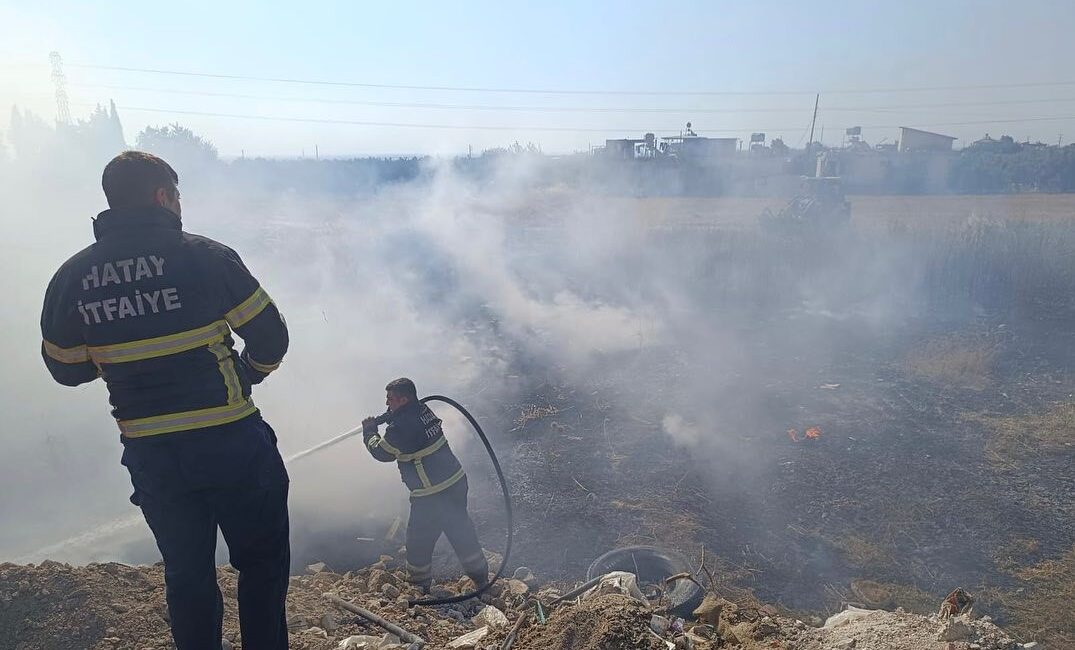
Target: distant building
point(917, 140)
point(685, 147)
point(622, 148)
point(700, 148)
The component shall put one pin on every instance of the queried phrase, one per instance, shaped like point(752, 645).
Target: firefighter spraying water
point(438, 486)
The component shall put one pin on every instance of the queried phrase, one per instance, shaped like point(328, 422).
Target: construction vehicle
point(820, 205)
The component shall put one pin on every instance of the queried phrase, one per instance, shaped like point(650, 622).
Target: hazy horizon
point(426, 79)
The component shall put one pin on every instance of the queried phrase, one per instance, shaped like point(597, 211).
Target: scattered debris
point(709, 611)
point(604, 621)
point(863, 629)
point(112, 606)
point(516, 587)
point(471, 639)
point(617, 582)
point(956, 603)
point(376, 619)
point(954, 629)
point(524, 574)
point(490, 617)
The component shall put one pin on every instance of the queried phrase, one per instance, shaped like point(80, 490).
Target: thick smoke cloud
point(429, 279)
point(474, 286)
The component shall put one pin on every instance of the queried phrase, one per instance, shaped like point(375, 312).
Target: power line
point(315, 120)
point(484, 127)
point(552, 91)
point(567, 109)
point(468, 107)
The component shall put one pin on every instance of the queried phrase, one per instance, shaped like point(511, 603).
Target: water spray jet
point(122, 523)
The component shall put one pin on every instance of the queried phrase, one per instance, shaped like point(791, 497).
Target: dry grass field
point(866, 211)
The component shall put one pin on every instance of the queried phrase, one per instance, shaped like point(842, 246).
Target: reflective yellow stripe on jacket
point(421, 453)
point(211, 337)
point(248, 309)
point(77, 354)
point(160, 346)
point(416, 458)
point(261, 367)
point(199, 419)
point(439, 487)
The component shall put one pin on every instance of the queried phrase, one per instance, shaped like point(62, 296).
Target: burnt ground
point(931, 471)
point(898, 502)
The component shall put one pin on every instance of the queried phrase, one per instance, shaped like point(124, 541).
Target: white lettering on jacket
point(120, 272)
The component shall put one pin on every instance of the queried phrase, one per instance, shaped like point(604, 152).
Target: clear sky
point(990, 66)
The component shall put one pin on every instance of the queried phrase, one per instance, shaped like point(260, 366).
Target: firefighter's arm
point(372, 438)
point(62, 344)
point(252, 315)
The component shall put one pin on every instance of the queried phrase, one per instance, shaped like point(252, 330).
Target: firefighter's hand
point(369, 425)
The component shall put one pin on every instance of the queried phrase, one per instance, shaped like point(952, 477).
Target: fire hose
point(500, 477)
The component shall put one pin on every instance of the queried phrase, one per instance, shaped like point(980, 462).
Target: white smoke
point(427, 279)
point(681, 431)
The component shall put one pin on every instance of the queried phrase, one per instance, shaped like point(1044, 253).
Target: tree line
point(988, 166)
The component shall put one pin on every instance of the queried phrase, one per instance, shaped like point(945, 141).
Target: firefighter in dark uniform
point(415, 440)
point(151, 310)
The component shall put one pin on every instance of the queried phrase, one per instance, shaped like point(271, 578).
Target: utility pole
point(63, 110)
point(810, 145)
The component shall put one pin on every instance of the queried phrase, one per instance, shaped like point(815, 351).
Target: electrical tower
point(63, 111)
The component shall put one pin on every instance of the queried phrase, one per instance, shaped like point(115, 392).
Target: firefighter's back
point(151, 310)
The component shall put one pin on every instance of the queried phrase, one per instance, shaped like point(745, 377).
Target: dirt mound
point(881, 630)
point(113, 606)
point(607, 622)
point(54, 606)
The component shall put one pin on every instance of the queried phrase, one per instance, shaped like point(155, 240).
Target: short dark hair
point(402, 386)
point(132, 179)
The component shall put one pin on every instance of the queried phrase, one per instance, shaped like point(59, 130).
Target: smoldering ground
point(704, 343)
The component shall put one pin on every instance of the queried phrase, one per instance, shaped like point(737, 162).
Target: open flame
point(813, 433)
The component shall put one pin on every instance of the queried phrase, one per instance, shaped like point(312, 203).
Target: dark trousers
point(444, 512)
point(188, 484)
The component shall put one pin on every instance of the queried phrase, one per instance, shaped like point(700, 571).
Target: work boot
point(423, 587)
point(479, 579)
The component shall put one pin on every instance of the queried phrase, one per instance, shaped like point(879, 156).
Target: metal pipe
point(374, 618)
point(577, 590)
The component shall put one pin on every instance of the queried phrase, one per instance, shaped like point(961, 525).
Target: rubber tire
point(654, 565)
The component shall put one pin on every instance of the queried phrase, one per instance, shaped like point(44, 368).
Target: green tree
point(180, 146)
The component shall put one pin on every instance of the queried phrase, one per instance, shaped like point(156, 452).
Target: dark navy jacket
point(151, 310)
point(415, 440)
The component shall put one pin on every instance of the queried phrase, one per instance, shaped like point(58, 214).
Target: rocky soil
point(112, 606)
